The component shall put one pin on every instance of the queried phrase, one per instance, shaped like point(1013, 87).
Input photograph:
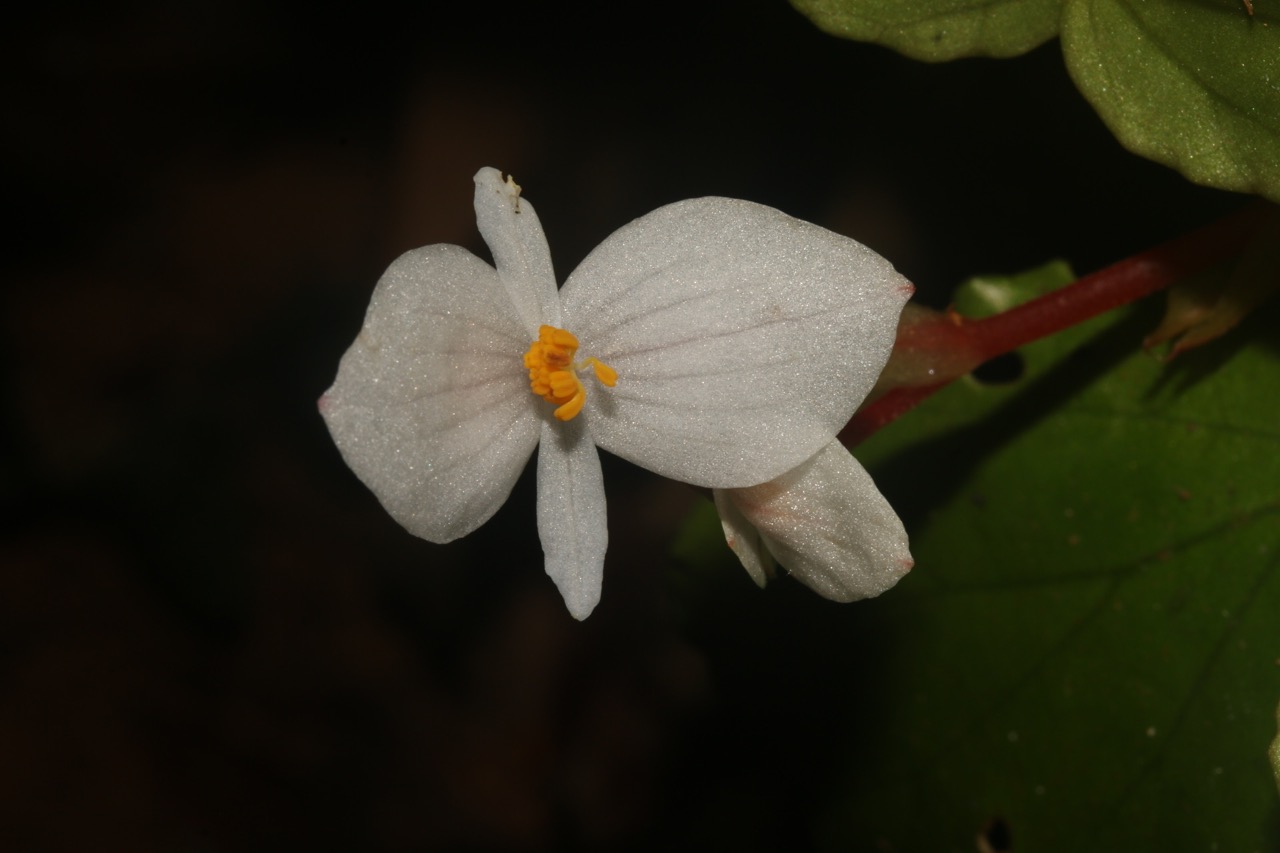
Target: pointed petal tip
point(580, 610)
point(580, 599)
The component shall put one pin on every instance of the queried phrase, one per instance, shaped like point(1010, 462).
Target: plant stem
point(967, 343)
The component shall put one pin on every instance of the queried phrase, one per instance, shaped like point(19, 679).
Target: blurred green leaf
point(937, 30)
point(1087, 649)
point(1195, 86)
point(984, 295)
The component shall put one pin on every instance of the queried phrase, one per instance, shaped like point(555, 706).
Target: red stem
point(1083, 299)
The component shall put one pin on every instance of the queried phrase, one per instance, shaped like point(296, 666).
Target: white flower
point(719, 342)
point(825, 522)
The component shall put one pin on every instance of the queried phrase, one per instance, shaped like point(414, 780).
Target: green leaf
point(1087, 649)
point(983, 295)
point(937, 30)
point(1193, 85)
point(1086, 655)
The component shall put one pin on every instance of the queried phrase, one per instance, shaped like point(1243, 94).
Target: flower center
point(553, 375)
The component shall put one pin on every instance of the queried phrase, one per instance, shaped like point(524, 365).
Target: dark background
point(212, 638)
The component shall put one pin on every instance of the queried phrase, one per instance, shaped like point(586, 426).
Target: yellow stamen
point(605, 374)
point(553, 376)
point(570, 410)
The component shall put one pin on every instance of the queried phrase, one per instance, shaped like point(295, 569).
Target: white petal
point(744, 539)
point(829, 526)
point(743, 338)
point(571, 513)
point(511, 229)
point(431, 407)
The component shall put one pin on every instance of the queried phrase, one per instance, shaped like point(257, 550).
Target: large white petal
point(431, 407)
point(512, 231)
point(571, 513)
point(743, 338)
point(829, 526)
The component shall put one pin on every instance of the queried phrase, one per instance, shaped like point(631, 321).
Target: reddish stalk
point(959, 344)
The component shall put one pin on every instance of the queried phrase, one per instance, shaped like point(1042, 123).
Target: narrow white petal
point(431, 407)
point(511, 229)
point(744, 539)
point(571, 513)
point(743, 338)
point(829, 526)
